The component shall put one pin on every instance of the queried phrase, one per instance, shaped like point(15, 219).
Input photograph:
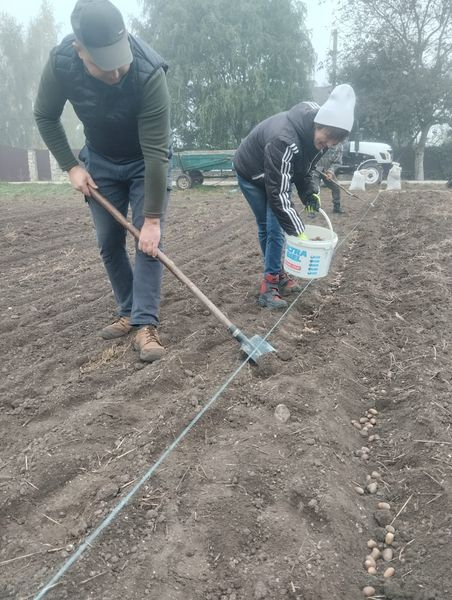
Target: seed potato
point(389, 538)
point(387, 554)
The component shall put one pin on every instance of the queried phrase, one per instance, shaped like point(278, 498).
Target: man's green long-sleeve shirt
point(153, 130)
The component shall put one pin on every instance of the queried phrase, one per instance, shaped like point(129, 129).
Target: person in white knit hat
point(280, 151)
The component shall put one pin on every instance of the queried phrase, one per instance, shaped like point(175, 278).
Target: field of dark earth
point(249, 505)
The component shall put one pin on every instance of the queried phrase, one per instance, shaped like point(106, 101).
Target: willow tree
point(232, 63)
point(398, 56)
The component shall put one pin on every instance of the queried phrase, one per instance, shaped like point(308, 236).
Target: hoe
point(254, 346)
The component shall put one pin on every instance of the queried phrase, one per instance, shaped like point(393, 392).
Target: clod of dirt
point(260, 591)
point(363, 450)
point(267, 365)
point(79, 529)
point(313, 504)
point(282, 413)
point(82, 360)
point(393, 591)
point(284, 355)
point(107, 492)
point(17, 402)
point(383, 402)
point(383, 517)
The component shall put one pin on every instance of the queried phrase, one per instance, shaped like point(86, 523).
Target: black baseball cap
point(99, 27)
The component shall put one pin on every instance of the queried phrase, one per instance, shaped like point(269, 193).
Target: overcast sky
point(320, 19)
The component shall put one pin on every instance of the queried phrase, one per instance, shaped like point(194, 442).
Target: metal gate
point(43, 165)
point(14, 164)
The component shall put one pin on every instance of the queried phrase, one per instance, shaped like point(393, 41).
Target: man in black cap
point(325, 170)
point(117, 87)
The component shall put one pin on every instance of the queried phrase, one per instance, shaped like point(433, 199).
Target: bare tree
point(398, 55)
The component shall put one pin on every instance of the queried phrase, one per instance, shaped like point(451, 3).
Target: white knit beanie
point(338, 109)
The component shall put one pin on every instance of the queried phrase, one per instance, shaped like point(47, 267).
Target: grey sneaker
point(287, 285)
point(269, 296)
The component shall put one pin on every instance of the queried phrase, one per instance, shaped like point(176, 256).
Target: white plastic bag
point(394, 175)
point(358, 181)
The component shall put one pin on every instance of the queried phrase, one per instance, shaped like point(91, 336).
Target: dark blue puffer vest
point(108, 112)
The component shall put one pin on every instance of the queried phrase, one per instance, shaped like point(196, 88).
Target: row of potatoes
point(383, 551)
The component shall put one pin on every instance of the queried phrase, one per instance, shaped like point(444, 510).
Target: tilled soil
point(245, 507)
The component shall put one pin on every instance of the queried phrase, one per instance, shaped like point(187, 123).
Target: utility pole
point(334, 59)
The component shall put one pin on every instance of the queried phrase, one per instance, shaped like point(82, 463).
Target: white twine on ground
point(117, 509)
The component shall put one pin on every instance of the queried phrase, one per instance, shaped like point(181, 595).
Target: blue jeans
point(269, 231)
point(137, 291)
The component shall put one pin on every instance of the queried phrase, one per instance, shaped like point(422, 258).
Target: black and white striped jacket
point(278, 152)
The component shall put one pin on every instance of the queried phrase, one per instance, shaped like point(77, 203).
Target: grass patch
point(10, 191)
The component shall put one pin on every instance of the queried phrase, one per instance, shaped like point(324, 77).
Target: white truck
point(373, 158)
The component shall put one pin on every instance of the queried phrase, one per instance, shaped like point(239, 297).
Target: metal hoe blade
point(255, 347)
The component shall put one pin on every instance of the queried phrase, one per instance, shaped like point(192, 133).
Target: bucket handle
point(327, 219)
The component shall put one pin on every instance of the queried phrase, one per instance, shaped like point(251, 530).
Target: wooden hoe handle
point(97, 196)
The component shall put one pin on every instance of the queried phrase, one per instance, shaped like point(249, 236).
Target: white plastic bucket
point(311, 259)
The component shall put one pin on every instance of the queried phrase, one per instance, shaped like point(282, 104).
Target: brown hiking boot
point(120, 327)
point(148, 343)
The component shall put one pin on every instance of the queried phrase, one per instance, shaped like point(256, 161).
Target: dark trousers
point(335, 191)
point(137, 290)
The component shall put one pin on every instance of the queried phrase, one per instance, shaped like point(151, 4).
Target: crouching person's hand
point(312, 203)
